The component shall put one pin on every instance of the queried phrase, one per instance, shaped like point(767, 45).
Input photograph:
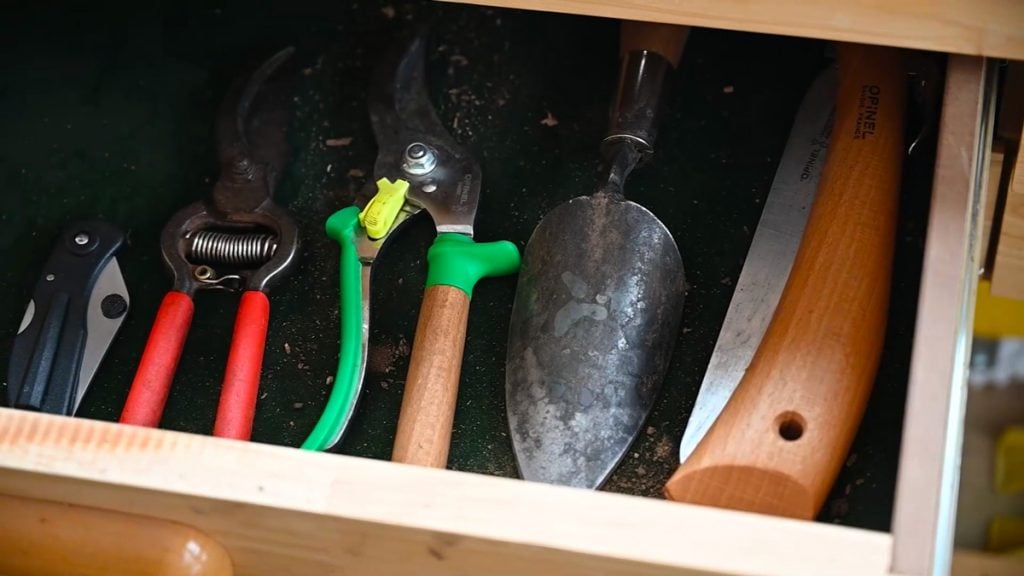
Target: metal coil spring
point(235, 249)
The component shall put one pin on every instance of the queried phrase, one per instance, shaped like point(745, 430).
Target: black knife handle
point(48, 350)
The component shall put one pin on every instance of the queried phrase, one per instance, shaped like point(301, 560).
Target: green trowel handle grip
point(456, 260)
point(342, 227)
point(456, 263)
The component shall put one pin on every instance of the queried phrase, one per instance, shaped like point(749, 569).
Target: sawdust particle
point(851, 460)
point(336, 142)
point(549, 120)
point(838, 508)
point(381, 358)
point(651, 430)
point(728, 89)
point(388, 11)
point(356, 173)
point(726, 281)
point(330, 380)
point(298, 405)
point(664, 449)
point(287, 348)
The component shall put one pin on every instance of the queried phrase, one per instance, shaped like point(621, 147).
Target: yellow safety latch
point(380, 213)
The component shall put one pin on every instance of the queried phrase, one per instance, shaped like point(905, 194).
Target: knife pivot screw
point(113, 306)
point(81, 238)
point(420, 159)
point(429, 188)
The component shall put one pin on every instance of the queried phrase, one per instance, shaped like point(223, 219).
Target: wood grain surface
point(993, 28)
point(432, 386)
point(665, 39)
point(281, 511)
point(929, 468)
point(43, 538)
point(779, 443)
point(1008, 271)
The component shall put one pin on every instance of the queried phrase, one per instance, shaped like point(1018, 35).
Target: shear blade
point(401, 114)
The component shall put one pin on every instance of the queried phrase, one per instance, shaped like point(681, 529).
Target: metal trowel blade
point(596, 314)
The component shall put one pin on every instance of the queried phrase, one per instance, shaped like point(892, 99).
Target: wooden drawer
point(283, 511)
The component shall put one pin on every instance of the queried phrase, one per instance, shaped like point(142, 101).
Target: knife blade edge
point(769, 259)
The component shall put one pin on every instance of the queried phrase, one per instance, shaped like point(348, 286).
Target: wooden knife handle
point(779, 443)
point(428, 405)
point(40, 538)
point(665, 39)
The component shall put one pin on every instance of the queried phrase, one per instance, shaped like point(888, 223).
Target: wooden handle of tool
point(40, 538)
point(428, 405)
point(665, 39)
point(779, 443)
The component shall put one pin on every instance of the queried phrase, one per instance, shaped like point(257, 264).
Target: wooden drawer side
point(926, 488)
point(285, 511)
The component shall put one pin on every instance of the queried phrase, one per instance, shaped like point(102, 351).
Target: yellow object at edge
point(1009, 472)
point(996, 317)
point(380, 213)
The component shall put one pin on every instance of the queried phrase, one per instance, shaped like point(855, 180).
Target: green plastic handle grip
point(456, 260)
point(341, 227)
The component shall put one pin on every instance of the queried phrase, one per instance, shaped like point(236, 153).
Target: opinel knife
point(782, 436)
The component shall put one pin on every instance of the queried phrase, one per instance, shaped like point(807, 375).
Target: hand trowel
point(599, 299)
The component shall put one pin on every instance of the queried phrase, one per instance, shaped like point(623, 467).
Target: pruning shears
point(419, 167)
point(250, 240)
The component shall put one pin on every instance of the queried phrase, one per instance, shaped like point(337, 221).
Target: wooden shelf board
point(992, 28)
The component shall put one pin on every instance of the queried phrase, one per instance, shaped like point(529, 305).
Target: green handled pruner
point(419, 167)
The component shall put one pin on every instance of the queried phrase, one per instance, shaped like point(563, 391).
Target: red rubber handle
point(245, 360)
point(152, 383)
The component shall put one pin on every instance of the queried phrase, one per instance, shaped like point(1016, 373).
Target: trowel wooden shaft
point(428, 404)
point(779, 443)
point(667, 40)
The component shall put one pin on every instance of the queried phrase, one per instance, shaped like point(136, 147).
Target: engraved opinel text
point(867, 111)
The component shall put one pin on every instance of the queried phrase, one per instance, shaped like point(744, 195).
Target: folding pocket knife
point(77, 307)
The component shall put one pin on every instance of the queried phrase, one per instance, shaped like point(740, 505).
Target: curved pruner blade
point(401, 114)
point(248, 172)
point(399, 103)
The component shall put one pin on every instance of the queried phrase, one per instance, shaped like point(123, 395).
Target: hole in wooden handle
point(791, 426)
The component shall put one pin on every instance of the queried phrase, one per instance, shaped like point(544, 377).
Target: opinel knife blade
point(76, 309)
point(769, 259)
